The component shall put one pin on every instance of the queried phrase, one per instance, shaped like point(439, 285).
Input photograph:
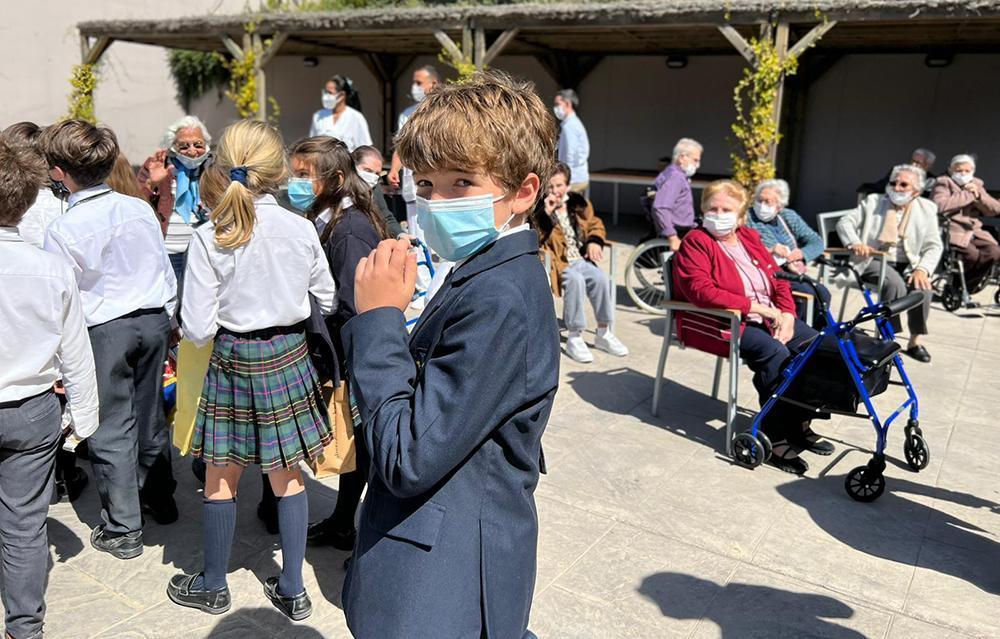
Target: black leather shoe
point(75, 484)
point(297, 608)
point(268, 514)
point(820, 447)
point(181, 592)
point(793, 465)
point(919, 353)
point(162, 510)
point(127, 546)
point(325, 533)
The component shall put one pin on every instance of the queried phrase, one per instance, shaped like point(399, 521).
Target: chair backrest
point(706, 332)
point(668, 274)
point(827, 223)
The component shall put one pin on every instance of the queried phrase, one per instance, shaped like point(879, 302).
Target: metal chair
point(827, 223)
point(709, 322)
point(610, 248)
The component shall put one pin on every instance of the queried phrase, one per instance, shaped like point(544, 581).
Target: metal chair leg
point(716, 377)
point(843, 303)
point(614, 287)
point(661, 364)
point(734, 384)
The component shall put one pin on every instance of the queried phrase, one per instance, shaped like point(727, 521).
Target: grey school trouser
point(582, 280)
point(29, 438)
point(129, 353)
point(895, 287)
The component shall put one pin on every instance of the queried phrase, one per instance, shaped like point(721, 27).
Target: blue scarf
point(187, 202)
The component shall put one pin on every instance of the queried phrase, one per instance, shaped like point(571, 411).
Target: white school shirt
point(42, 330)
point(408, 188)
point(263, 284)
point(351, 127)
point(44, 211)
point(115, 246)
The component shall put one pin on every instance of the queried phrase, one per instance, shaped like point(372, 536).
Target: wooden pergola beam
point(811, 38)
point(268, 54)
point(90, 53)
point(449, 46)
point(740, 44)
point(479, 51)
point(234, 49)
point(499, 45)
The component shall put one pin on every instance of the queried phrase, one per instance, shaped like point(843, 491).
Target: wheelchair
point(949, 281)
point(841, 369)
point(644, 267)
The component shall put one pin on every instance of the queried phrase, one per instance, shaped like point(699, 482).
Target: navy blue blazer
point(453, 421)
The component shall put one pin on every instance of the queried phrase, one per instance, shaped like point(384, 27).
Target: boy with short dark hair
point(453, 415)
point(43, 339)
point(128, 289)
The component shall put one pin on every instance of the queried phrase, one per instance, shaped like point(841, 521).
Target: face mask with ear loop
point(459, 227)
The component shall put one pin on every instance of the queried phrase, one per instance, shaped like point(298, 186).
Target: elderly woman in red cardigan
point(724, 264)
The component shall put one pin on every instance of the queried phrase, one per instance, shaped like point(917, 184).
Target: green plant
point(81, 99)
point(195, 73)
point(465, 68)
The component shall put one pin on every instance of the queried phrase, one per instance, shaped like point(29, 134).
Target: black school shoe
point(163, 510)
point(919, 353)
point(181, 592)
point(325, 533)
point(127, 546)
point(296, 608)
point(70, 488)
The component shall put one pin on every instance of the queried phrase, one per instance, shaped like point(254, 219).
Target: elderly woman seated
point(723, 264)
point(962, 197)
point(791, 241)
point(904, 226)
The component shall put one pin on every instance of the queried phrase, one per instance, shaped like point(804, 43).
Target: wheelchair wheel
point(951, 299)
point(917, 452)
point(996, 297)
point(644, 275)
point(864, 485)
point(748, 451)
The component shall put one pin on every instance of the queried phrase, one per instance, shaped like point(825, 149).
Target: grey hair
point(686, 146)
point(963, 158)
point(570, 96)
point(927, 154)
point(910, 168)
point(432, 71)
point(780, 186)
point(187, 122)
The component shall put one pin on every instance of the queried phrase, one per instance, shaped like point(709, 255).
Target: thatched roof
point(639, 26)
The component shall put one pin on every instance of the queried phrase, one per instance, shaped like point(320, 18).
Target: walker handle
point(793, 277)
point(902, 304)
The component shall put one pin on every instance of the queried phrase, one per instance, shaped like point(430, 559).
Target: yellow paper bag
point(339, 456)
point(192, 366)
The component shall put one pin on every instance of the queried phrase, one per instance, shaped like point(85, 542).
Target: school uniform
point(43, 338)
point(128, 292)
point(453, 417)
point(261, 402)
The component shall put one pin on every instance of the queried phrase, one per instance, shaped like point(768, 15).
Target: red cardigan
point(705, 275)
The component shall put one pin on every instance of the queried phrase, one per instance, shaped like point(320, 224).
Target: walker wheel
point(864, 485)
point(748, 451)
point(996, 297)
point(917, 452)
point(766, 443)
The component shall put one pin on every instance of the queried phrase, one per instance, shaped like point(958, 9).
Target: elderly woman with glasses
point(792, 242)
point(904, 226)
point(169, 180)
point(963, 198)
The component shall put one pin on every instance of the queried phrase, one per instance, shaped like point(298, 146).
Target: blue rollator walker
point(839, 369)
point(427, 262)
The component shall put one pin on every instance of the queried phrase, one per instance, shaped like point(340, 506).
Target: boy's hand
point(386, 278)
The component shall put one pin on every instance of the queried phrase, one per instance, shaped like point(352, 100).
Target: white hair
point(686, 146)
point(187, 122)
point(963, 158)
point(780, 187)
point(910, 168)
point(926, 154)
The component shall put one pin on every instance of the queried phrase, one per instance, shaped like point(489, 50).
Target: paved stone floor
point(646, 530)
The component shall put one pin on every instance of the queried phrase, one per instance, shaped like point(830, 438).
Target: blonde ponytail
point(252, 157)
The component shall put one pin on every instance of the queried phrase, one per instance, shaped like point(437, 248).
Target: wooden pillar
point(91, 52)
point(781, 48)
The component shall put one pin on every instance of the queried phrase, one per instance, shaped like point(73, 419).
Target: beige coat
point(964, 210)
point(921, 241)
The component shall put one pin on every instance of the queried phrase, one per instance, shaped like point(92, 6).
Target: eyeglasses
point(905, 185)
point(184, 146)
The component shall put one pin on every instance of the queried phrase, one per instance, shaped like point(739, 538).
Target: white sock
point(602, 331)
point(573, 334)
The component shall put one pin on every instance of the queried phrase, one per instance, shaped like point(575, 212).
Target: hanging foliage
point(465, 68)
point(195, 73)
point(81, 98)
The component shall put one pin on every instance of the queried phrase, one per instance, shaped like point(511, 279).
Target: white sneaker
point(577, 349)
point(419, 303)
point(610, 344)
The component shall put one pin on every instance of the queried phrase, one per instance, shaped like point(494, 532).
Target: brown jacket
point(587, 226)
point(964, 210)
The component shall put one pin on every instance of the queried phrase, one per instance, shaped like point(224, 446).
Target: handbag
point(340, 455)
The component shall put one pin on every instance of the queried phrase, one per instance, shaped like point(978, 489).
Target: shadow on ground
point(746, 610)
point(244, 623)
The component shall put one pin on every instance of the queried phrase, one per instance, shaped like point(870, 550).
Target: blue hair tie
point(238, 174)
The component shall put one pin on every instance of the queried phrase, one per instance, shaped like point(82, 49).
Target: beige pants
point(579, 187)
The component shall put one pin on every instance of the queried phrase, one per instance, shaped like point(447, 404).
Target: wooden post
point(479, 54)
point(781, 48)
point(91, 53)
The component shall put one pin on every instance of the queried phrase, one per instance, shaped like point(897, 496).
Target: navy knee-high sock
point(293, 521)
point(218, 528)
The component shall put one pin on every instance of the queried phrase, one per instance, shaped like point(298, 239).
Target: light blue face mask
point(457, 228)
point(300, 193)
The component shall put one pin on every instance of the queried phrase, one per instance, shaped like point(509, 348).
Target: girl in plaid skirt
point(249, 276)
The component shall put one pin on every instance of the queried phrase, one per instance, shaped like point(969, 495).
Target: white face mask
point(720, 224)
point(371, 179)
point(766, 212)
point(898, 199)
point(691, 169)
point(417, 93)
point(192, 163)
point(962, 178)
point(560, 112)
point(330, 100)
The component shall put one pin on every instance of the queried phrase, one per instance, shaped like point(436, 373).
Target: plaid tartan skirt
point(261, 402)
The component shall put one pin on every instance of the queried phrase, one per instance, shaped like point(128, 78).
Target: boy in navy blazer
point(453, 415)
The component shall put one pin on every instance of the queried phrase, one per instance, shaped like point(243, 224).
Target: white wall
point(39, 45)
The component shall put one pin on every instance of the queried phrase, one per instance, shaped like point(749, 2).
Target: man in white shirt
point(128, 289)
point(48, 206)
point(574, 144)
point(42, 332)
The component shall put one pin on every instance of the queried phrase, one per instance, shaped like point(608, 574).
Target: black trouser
point(818, 317)
point(131, 444)
point(29, 438)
